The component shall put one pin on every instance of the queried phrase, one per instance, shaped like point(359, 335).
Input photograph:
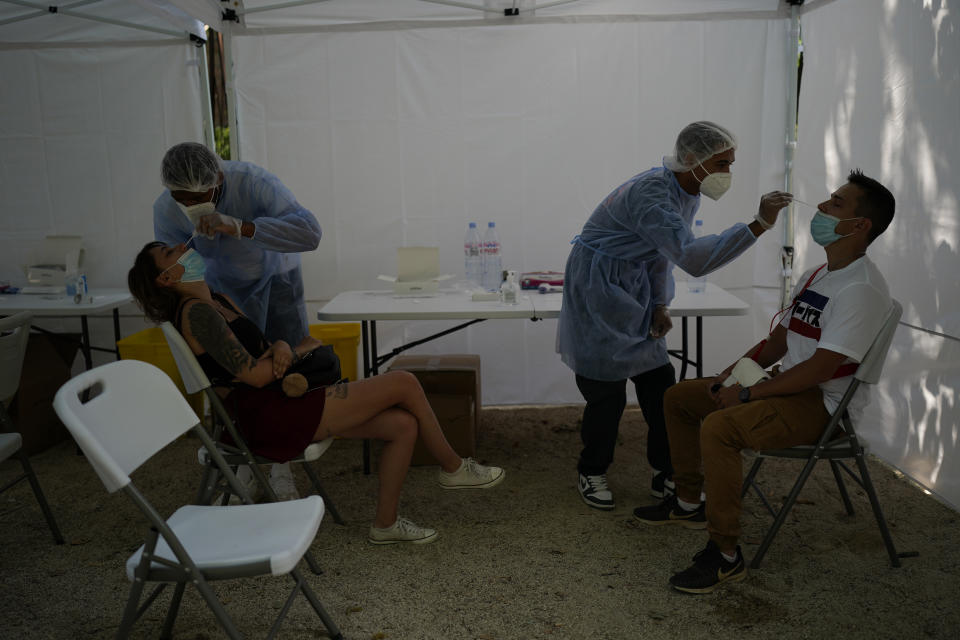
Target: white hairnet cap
point(190, 166)
point(697, 142)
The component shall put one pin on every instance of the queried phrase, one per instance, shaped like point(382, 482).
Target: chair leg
point(318, 487)
point(214, 603)
point(38, 492)
point(877, 511)
point(167, 631)
point(130, 610)
point(782, 514)
point(275, 627)
point(841, 487)
point(208, 485)
point(750, 476)
point(750, 481)
point(325, 618)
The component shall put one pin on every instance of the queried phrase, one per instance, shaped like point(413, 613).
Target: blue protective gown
point(261, 273)
point(620, 268)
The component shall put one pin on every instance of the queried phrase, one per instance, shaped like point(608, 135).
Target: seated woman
point(167, 282)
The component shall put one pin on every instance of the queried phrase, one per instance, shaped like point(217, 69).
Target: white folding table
point(368, 307)
point(371, 306)
point(62, 306)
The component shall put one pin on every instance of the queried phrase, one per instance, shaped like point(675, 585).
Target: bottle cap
point(491, 224)
point(473, 225)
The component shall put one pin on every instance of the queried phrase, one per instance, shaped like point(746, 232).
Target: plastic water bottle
point(492, 266)
point(697, 284)
point(472, 260)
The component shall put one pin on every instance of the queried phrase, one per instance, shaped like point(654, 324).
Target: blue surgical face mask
point(823, 228)
point(193, 266)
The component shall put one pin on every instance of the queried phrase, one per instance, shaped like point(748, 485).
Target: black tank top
point(247, 333)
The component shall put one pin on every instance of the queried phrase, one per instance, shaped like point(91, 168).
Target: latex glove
point(307, 344)
point(771, 204)
point(214, 223)
point(661, 322)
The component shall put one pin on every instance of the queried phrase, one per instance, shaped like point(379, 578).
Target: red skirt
point(275, 426)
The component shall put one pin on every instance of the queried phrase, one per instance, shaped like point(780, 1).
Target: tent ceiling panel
point(87, 21)
point(351, 13)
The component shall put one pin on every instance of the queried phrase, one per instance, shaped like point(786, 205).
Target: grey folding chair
point(14, 333)
point(124, 412)
point(838, 442)
point(238, 454)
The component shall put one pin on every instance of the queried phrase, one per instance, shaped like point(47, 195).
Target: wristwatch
point(745, 394)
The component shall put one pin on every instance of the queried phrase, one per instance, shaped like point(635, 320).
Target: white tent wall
point(82, 136)
point(885, 96)
point(400, 136)
point(87, 109)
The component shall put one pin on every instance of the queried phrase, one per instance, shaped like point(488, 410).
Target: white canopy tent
point(398, 121)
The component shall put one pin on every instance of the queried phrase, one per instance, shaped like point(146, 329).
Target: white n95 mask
point(196, 211)
point(715, 184)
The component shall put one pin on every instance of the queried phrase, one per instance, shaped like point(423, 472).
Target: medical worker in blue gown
point(251, 230)
point(618, 284)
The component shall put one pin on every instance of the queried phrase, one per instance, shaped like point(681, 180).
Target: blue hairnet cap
point(697, 142)
point(190, 166)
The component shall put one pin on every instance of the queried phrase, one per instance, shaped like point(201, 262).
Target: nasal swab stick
point(798, 200)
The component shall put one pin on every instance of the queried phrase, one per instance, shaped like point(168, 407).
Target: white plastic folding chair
point(195, 380)
point(14, 334)
point(124, 412)
point(839, 441)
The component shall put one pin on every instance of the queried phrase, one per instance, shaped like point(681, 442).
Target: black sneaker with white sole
point(594, 491)
point(662, 485)
point(709, 569)
point(670, 512)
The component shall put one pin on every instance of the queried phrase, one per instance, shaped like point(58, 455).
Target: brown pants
point(715, 445)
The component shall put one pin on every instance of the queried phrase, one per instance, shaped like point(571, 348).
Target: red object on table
point(534, 279)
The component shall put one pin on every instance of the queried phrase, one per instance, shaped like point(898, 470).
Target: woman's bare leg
point(398, 431)
point(350, 405)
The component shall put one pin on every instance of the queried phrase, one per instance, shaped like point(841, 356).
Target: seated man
point(837, 310)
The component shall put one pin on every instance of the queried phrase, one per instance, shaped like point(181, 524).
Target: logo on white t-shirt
point(805, 318)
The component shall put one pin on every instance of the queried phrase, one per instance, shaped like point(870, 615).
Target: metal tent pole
point(787, 248)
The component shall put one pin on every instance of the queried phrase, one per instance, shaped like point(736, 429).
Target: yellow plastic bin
point(344, 337)
point(150, 346)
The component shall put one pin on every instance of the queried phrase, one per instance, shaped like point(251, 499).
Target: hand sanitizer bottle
point(510, 290)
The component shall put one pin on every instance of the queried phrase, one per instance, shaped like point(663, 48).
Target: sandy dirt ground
point(524, 560)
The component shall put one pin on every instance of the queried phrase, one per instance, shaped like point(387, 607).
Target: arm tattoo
point(338, 390)
point(213, 334)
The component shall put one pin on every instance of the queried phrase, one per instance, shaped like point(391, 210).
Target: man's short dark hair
point(876, 202)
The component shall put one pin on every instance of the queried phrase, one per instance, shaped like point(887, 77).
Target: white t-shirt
point(842, 311)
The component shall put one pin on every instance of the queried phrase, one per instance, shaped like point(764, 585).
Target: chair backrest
point(121, 414)
point(13, 347)
point(872, 365)
point(194, 377)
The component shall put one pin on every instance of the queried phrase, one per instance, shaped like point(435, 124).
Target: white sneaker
point(281, 481)
point(401, 531)
point(471, 475)
point(594, 491)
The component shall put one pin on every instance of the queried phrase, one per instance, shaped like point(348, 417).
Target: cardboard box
point(452, 385)
point(46, 366)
